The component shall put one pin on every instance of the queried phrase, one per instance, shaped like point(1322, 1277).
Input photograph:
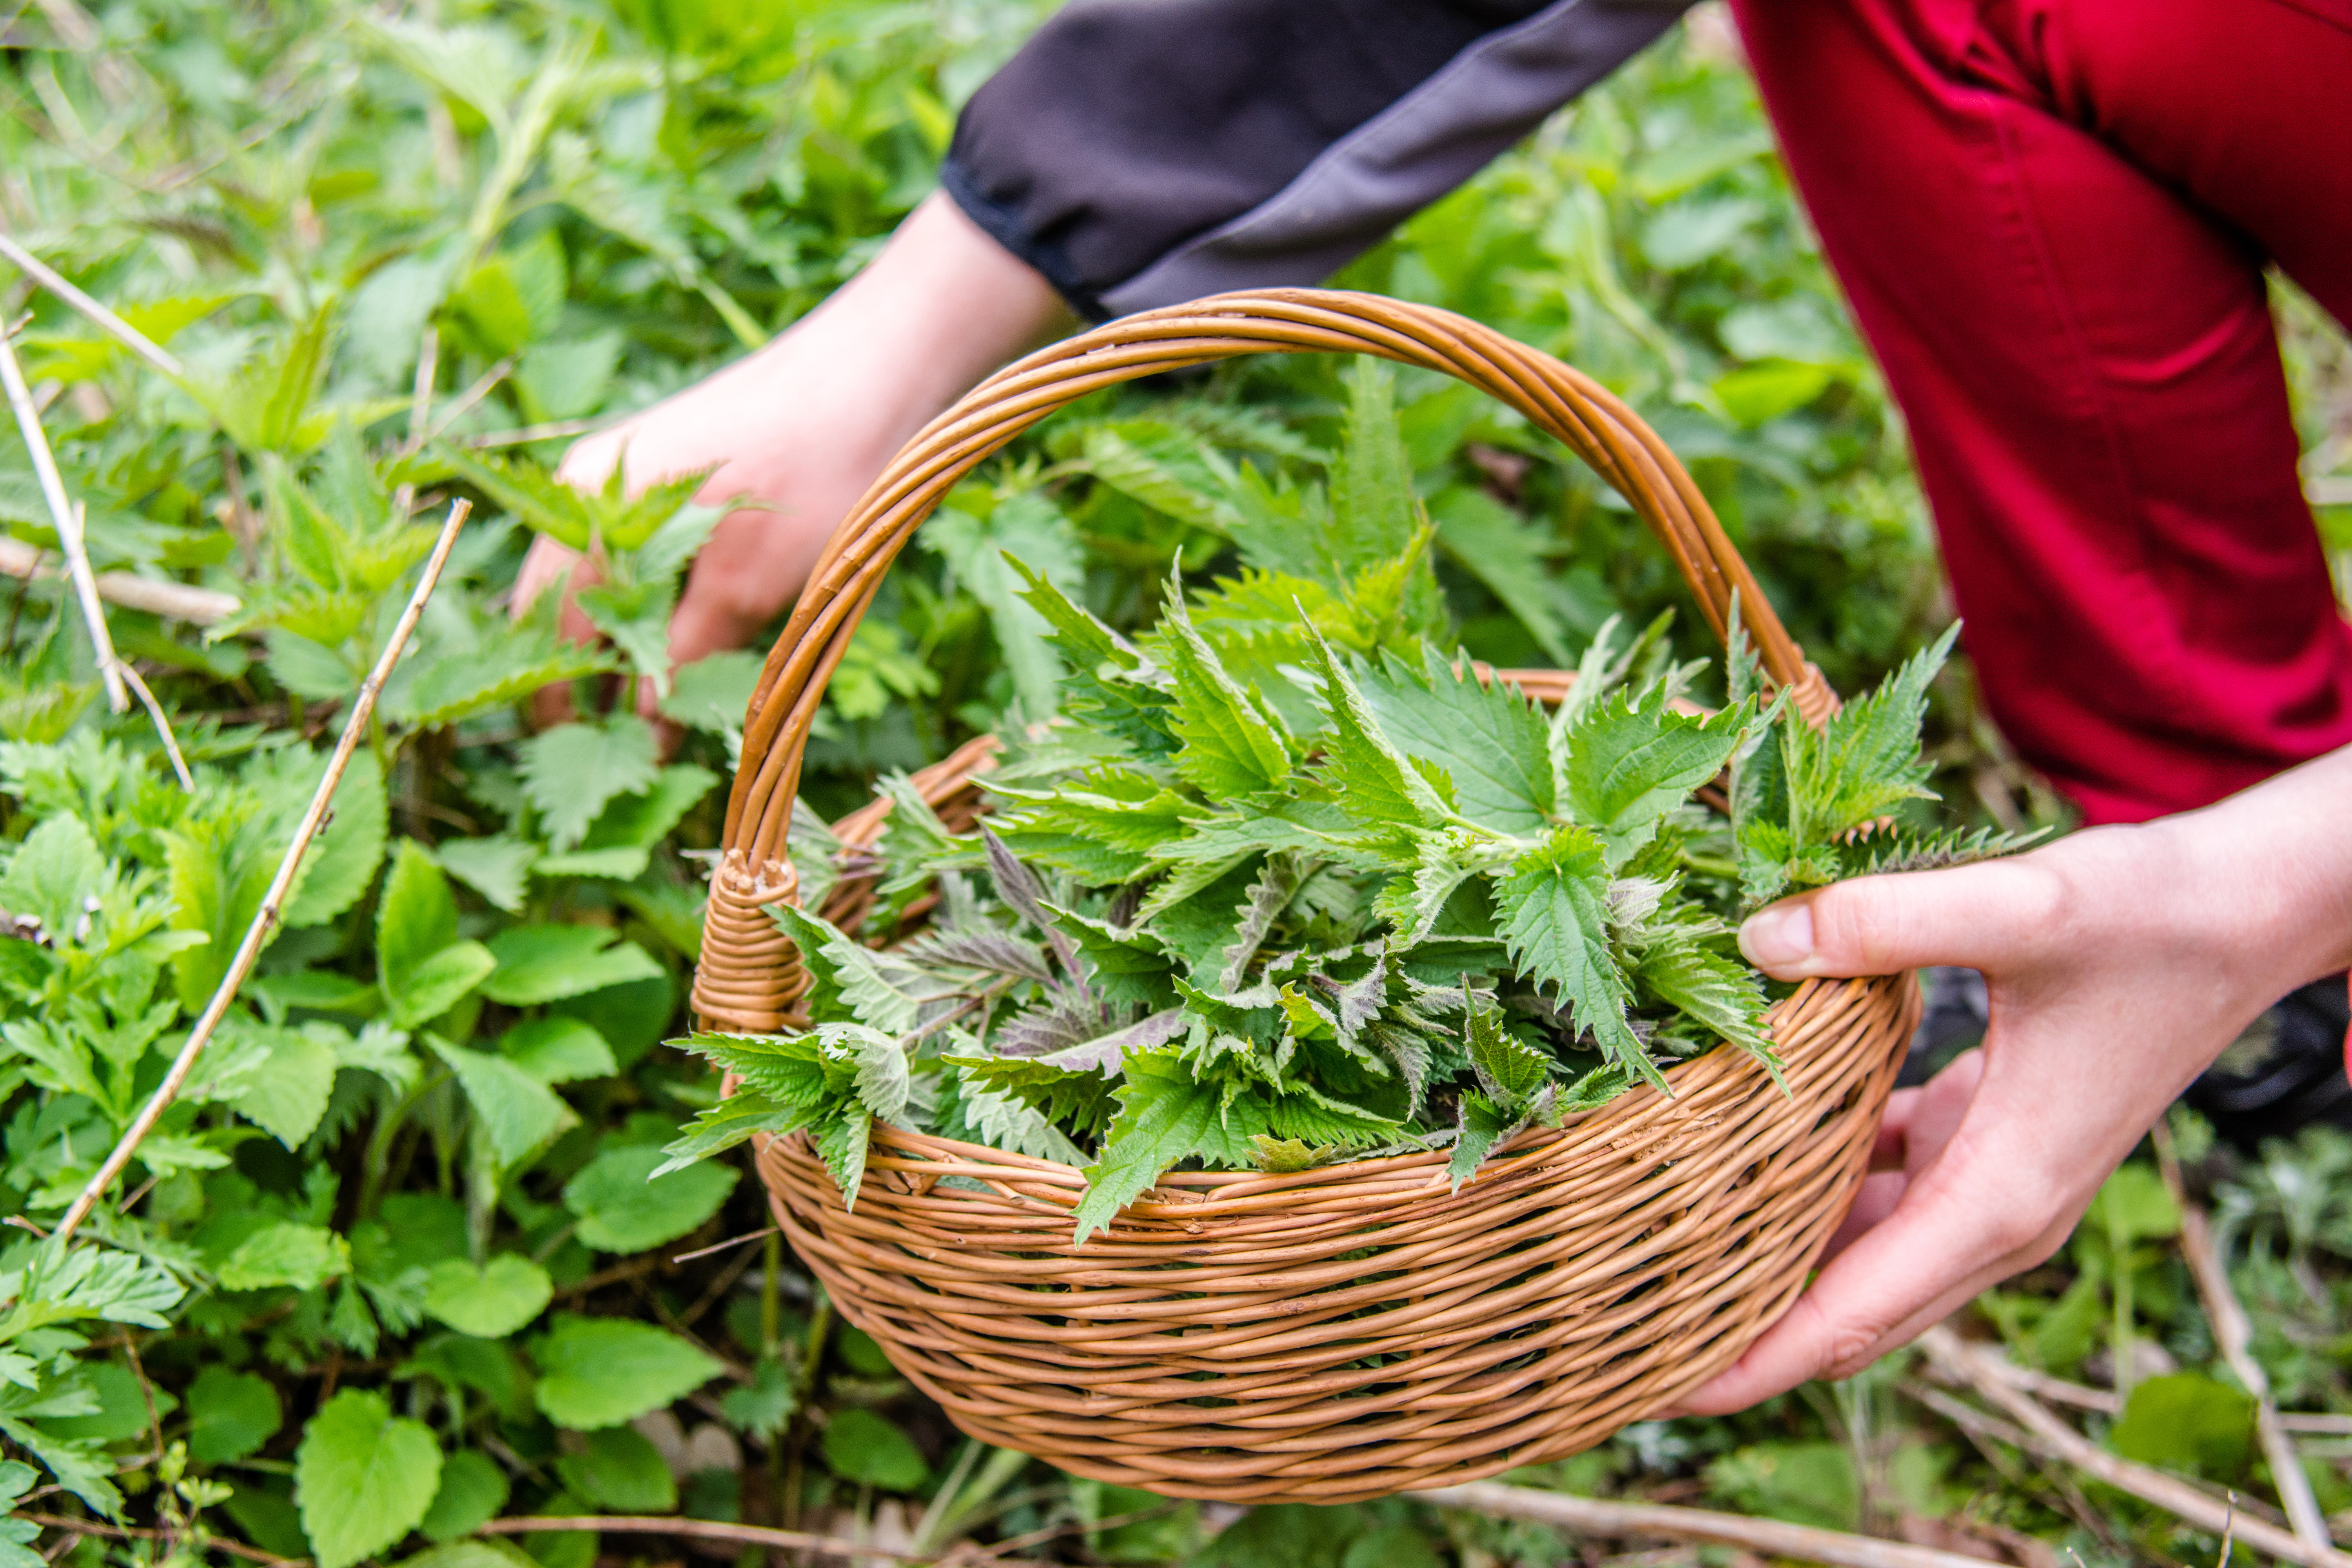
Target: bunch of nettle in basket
point(1289, 881)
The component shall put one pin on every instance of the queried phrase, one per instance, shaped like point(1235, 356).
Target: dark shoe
point(2286, 1073)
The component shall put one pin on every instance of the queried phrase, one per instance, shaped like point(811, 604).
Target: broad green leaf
point(1032, 529)
point(424, 968)
point(516, 1113)
point(620, 1210)
point(473, 1490)
point(489, 1302)
point(557, 1049)
point(620, 1470)
point(600, 1372)
point(1631, 762)
point(230, 1415)
point(56, 866)
point(287, 1095)
point(1232, 747)
point(1552, 906)
point(1164, 1115)
point(285, 1255)
point(497, 867)
point(1506, 554)
point(1493, 743)
point(1362, 769)
point(362, 1477)
point(713, 692)
point(2186, 1421)
point(343, 858)
point(865, 1449)
point(570, 772)
point(548, 963)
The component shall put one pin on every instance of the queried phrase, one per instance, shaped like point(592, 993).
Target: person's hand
point(803, 427)
point(2119, 963)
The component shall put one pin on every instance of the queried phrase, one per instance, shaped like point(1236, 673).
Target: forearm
point(2272, 866)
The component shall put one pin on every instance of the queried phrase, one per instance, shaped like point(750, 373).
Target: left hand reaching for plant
point(2120, 963)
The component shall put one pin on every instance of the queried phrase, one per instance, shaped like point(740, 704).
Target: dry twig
point(106, 320)
point(67, 521)
point(2233, 1334)
point(742, 1535)
point(2051, 1435)
point(133, 1532)
point(249, 952)
point(1616, 1521)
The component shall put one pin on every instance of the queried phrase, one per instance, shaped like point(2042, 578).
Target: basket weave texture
point(1353, 1330)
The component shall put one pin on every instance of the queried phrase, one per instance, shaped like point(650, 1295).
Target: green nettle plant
point(1288, 880)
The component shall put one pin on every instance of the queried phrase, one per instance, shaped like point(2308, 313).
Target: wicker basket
point(1344, 1332)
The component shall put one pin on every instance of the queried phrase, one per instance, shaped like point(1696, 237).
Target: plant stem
point(106, 320)
point(66, 520)
point(265, 918)
point(753, 1535)
point(2233, 1334)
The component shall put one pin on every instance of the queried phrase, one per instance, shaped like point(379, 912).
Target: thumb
point(1975, 917)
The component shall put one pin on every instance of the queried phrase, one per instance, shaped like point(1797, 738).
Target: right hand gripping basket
point(1356, 1330)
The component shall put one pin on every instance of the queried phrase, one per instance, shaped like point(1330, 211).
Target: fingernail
point(1778, 937)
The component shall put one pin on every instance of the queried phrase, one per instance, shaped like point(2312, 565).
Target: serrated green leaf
point(230, 1415)
point(1164, 1115)
point(1552, 906)
point(496, 867)
point(362, 1477)
point(556, 1049)
point(1232, 746)
point(285, 1256)
point(342, 861)
point(548, 963)
point(489, 1302)
point(622, 1206)
point(619, 1469)
point(570, 772)
point(595, 1373)
point(1493, 742)
point(287, 1095)
point(473, 1490)
point(1628, 761)
point(516, 1111)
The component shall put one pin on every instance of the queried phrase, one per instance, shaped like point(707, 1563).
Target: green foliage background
point(391, 1269)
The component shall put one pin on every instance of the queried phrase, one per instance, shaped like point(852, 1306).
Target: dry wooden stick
point(162, 725)
point(173, 601)
point(106, 320)
point(1590, 1516)
point(1957, 1359)
point(751, 1535)
point(249, 952)
point(2234, 1334)
point(67, 521)
point(133, 1532)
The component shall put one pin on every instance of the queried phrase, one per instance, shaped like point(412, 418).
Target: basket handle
point(748, 975)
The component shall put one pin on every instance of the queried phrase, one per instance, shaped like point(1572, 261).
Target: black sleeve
point(1142, 153)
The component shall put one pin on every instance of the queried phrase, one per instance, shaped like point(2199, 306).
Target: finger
point(1875, 1199)
point(1935, 1117)
point(1887, 1152)
point(1982, 1212)
point(1974, 917)
point(545, 565)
